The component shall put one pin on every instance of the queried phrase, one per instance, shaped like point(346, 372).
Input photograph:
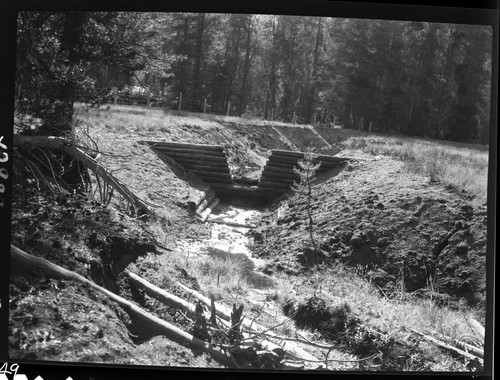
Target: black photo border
point(483, 12)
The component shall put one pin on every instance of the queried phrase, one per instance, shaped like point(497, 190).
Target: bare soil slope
point(397, 228)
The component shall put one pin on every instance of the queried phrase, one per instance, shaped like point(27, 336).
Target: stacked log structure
point(209, 163)
point(278, 174)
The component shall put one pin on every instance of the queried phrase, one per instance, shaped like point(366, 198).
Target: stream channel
point(230, 238)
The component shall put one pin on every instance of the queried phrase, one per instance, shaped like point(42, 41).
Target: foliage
point(416, 78)
point(63, 57)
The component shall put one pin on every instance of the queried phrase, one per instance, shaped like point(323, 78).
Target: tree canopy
point(416, 78)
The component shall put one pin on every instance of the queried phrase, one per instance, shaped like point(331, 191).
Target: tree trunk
point(314, 80)
point(309, 215)
point(273, 79)
point(246, 67)
point(59, 121)
point(198, 57)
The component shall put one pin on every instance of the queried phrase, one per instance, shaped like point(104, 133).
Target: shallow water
point(229, 232)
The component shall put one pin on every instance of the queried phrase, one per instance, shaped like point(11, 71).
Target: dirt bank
point(397, 228)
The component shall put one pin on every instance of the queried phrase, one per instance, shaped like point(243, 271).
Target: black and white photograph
point(265, 192)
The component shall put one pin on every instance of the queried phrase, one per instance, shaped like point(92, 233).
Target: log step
point(188, 156)
point(204, 173)
point(217, 181)
point(188, 150)
point(169, 144)
point(321, 157)
point(208, 168)
point(275, 185)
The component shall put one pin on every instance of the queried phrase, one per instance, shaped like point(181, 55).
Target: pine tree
point(307, 171)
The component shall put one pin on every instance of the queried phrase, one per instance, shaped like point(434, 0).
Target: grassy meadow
point(461, 166)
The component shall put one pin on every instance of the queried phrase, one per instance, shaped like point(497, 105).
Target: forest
point(415, 78)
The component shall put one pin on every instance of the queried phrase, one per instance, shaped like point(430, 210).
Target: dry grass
point(228, 277)
point(339, 284)
point(123, 117)
point(136, 119)
point(461, 166)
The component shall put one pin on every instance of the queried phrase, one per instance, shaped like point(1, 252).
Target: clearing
point(401, 260)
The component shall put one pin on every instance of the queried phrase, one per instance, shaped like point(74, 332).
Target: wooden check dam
point(209, 163)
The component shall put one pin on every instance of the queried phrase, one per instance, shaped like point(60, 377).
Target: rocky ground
point(395, 229)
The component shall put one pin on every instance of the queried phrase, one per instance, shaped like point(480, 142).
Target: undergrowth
point(339, 284)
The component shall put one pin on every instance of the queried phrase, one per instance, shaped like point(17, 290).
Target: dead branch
point(473, 358)
point(200, 329)
point(161, 295)
point(220, 311)
point(213, 312)
point(268, 332)
point(50, 142)
point(236, 321)
point(460, 344)
point(99, 169)
point(225, 314)
point(146, 322)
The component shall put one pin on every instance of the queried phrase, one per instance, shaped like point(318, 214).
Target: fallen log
point(205, 201)
point(222, 311)
point(449, 347)
point(225, 314)
point(159, 294)
point(206, 192)
point(459, 344)
point(476, 327)
point(145, 321)
point(204, 215)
